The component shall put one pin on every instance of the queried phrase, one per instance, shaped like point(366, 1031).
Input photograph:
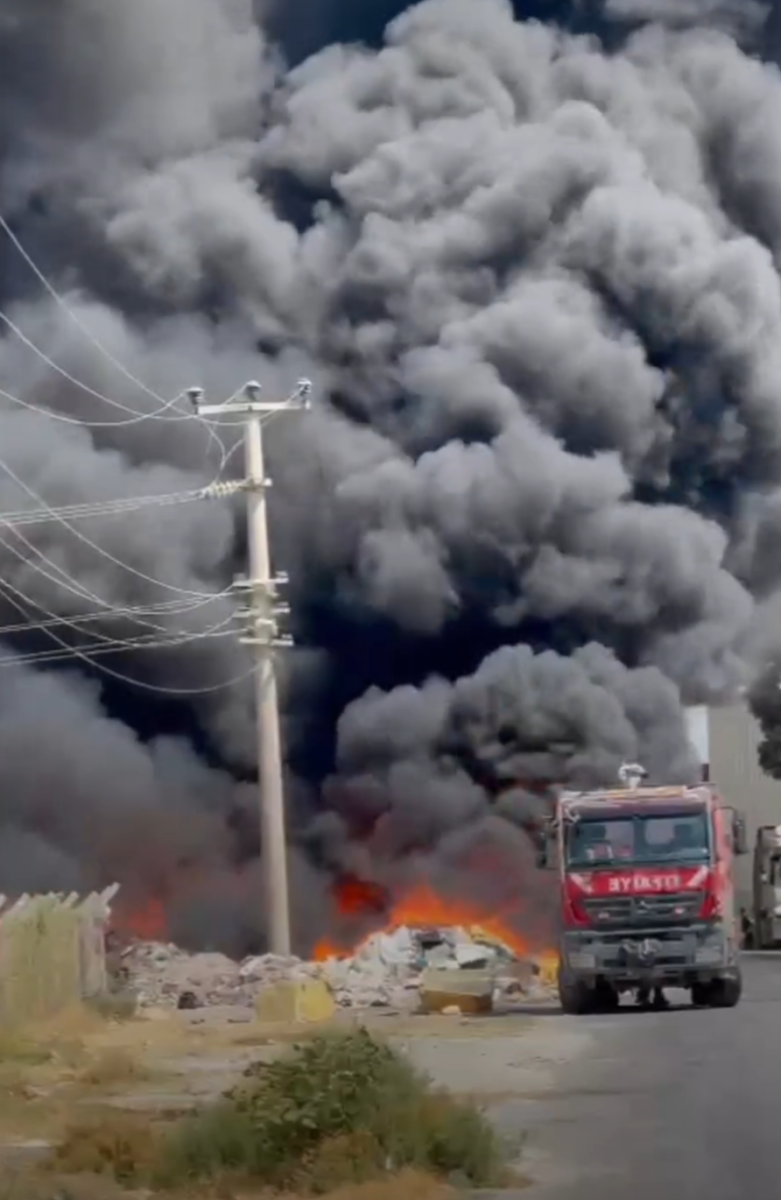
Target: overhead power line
point(81, 537)
point(118, 507)
point(61, 579)
point(259, 589)
point(114, 646)
point(170, 609)
point(72, 316)
point(67, 651)
point(163, 413)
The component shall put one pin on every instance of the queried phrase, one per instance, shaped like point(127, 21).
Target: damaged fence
point(52, 953)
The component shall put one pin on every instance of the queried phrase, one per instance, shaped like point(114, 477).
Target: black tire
point(606, 999)
point(727, 991)
point(721, 993)
point(575, 998)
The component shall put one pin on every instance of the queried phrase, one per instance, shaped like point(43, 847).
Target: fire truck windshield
point(678, 838)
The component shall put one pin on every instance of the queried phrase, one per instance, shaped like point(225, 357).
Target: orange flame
point(355, 896)
point(148, 922)
point(422, 908)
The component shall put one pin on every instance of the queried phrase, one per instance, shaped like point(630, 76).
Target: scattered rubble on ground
point(389, 970)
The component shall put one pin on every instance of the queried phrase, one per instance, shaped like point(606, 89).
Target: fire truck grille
point(675, 907)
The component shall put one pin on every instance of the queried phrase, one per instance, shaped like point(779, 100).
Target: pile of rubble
point(164, 976)
point(390, 970)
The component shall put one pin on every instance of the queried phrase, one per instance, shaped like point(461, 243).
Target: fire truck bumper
point(629, 959)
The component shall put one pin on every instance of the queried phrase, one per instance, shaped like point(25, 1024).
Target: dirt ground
point(167, 1064)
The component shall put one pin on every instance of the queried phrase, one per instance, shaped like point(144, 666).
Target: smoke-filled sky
point(529, 257)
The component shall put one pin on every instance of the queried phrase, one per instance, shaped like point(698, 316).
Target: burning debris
point(390, 969)
point(396, 969)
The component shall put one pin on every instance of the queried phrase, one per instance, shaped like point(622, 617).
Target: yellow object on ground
point(548, 966)
point(308, 1002)
point(467, 991)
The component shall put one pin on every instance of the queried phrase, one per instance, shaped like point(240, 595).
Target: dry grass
point(407, 1185)
point(27, 1185)
point(74, 1065)
point(121, 1148)
point(48, 1073)
point(86, 1046)
point(328, 1118)
point(78, 1036)
point(108, 1158)
point(113, 1067)
point(115, 1006)
point(49, 1069)
point(90, 1028)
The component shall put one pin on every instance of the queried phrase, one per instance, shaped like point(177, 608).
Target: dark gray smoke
point(425, 758)
point(534, 276)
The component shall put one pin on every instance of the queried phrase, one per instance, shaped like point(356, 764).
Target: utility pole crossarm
point(260, 591)
point(252, 403)
point(233, 406)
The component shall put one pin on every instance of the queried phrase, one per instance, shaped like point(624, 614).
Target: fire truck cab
point(646, 892)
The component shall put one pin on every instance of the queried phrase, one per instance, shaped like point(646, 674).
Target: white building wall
point(733, 737)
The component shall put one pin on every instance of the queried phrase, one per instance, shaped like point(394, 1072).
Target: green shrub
point(205, 1146)
point(337, 1110)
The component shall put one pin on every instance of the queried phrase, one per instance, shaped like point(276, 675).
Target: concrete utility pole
point(262, 634)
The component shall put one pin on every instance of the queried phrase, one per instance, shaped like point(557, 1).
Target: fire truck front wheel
point(720, 993)
point(575, 997)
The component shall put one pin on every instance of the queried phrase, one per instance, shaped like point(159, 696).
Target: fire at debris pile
point(533, 271)
point(403, 970)
point(428, 952)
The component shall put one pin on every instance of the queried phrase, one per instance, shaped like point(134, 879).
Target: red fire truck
point(647, 893)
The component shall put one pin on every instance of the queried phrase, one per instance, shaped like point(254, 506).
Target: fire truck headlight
point(582, 960)
point(710, 952)
point(708, 956)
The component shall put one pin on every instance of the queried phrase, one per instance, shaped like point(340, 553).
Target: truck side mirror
point(739, 838)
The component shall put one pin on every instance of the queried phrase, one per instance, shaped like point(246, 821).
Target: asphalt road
point(686, 1100)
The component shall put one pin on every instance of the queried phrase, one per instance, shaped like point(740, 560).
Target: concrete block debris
point(465, 992)
point(388, 970)
point(307, 1002)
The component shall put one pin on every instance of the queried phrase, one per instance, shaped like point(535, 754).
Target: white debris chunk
point(384, 971)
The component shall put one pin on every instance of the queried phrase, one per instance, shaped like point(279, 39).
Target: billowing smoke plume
point(534, 276)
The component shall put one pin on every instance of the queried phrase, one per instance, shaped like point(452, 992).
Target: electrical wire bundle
point(86, 635)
